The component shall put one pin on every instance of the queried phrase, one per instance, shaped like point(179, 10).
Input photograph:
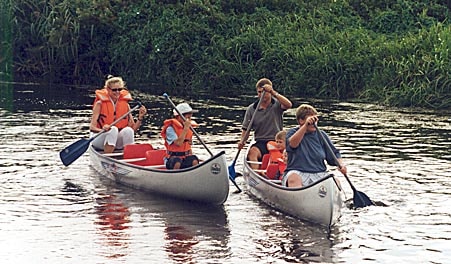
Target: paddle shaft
point(331, 152)
point(249, 127)
point(184, 119)
point(360, 198)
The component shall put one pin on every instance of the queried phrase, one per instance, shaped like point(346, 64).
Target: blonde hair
point(262, 82)
point(305, 110)
point(281, 135)
point(112, 80)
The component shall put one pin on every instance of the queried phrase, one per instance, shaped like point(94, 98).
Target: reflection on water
point(291, 241)
point(189, 228)
point(55, 214)
point(113, 218)
point(190, 232)
point(180, 244)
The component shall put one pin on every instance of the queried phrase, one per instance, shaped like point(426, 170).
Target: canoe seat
point(155, 157)
point(132, 151)
point(135, 151)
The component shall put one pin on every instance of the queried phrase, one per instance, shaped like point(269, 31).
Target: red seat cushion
point(132, 151)
point(155, 157)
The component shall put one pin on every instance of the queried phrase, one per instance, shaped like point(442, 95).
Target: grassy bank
point(394, 52)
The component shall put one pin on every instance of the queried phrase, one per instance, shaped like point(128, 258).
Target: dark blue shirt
point(310, 155)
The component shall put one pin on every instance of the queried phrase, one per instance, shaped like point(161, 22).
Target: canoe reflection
point(112, 213)
point(112, 221)
point(187, 225)
point(292, 240)
point(180, 242)
point(189, 232)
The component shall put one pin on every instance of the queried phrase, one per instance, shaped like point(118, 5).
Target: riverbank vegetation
point(395, 52)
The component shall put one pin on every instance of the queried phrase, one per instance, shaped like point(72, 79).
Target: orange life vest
point(178, 128)
point(274, 152)
point(276, 156)
point(108, 112)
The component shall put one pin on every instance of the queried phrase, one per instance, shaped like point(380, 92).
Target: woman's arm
point(95, 116)
point(136, 125)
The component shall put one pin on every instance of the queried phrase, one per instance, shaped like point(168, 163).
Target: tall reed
point(395, 52)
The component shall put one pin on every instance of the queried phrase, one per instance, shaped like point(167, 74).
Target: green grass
point(393, 52)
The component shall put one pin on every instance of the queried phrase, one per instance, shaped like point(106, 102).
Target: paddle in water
point(198, 137)
point(232, 173)
point(72, 152)
point(360, 199)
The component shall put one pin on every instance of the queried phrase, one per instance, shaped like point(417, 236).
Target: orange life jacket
point(174, 150)
point(274, 152)
point(276, 156)
point(108, 112)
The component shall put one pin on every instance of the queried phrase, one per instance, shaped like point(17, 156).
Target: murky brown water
point(53, 214)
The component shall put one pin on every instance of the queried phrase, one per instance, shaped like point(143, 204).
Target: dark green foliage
point(392, 51)
point(6, 46)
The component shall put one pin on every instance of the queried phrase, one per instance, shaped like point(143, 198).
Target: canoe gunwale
point(153, 168)
point(293, 189)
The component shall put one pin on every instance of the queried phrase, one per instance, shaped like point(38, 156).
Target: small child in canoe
point(278, 156)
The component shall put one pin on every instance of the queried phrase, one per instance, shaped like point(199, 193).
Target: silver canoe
point(320, 203)
point(206, 183)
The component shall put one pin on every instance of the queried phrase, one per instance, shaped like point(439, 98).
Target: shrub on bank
point(394, 52)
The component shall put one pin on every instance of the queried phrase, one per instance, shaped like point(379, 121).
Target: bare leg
point(108, 148)
point(177, 165)
point(253, 155)
point(294, 180)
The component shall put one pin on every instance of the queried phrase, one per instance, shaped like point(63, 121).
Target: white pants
point(307, 178)
point(114, 138)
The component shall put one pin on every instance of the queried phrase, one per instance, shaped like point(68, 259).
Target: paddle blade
point(74, 151)
point(232, 173)
point(361, 200)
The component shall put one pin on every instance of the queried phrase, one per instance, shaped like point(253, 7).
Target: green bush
point(394, 52)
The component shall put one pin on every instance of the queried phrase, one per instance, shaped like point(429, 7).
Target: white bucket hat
point(183, 109)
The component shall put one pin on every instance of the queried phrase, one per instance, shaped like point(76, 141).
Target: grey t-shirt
point(267, 122)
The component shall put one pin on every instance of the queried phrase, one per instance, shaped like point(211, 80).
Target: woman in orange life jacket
point(277, 152)
point(110, 103)
point(178, 137)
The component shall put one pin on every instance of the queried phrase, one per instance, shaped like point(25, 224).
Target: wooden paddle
point(232, 173)
point(360, 199)
point(75, 150)
point(197, 135)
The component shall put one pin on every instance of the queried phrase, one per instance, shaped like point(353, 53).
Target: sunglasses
point(116, 89)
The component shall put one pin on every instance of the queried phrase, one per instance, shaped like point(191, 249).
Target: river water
point(54, 214)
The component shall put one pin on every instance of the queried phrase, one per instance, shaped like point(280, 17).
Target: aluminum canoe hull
point(320, 203)
point(205, 183)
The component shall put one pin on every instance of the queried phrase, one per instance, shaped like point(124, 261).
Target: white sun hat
point(184, 108)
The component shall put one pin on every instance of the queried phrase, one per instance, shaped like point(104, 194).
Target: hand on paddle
point(240, 145)
point(341, 167)
point(268, 88)
point(142, 112)
point(311, 120)
point(106, 128)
